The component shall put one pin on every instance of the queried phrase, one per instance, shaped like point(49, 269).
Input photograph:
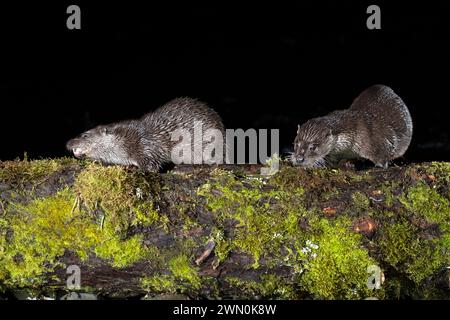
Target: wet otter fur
point(147, 143)
point(377, 127)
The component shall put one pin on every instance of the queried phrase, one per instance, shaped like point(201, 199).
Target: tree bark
point(225, 232)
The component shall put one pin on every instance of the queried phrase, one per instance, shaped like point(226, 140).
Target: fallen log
point(224, 232)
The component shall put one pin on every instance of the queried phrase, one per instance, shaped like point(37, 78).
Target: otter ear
point(329, 133)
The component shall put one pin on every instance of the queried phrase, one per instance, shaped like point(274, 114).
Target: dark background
point(259, 65)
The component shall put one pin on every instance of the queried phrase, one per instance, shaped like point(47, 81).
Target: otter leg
point(131, 167)
point(383, 165)
point(149, 165)
point(346, 164)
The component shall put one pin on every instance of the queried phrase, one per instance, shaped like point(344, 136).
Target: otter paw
point(383, 165)
point(347, 165)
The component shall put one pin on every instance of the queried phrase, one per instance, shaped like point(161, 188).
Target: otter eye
point(312, 147)
point(84, 135)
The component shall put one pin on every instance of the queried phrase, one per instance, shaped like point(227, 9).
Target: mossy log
point(226, 232)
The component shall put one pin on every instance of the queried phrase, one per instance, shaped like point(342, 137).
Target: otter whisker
point(320, 163)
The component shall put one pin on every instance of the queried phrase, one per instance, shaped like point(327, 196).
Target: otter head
point(313, 142)
point(101, 143)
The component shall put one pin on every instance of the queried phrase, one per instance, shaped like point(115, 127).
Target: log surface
point(226, 232)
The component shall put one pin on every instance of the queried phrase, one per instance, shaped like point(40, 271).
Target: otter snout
point(298, 159)
point(78, 152)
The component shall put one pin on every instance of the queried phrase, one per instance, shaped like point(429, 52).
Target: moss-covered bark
point(226, 232)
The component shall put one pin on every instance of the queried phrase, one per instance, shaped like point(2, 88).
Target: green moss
point(263, 217)
point(159, 283)
point(268, 224)
point(267, 286)
point(179, 273)
point(440, 170)
point(182, 270)
point(222, 246)
point(290, 179)
point(355, 176)
point(44, 229)
point(317, 185)
point(403, 248)
point(262, 228)
point(360, 202)
point(125, 197)
point(334, 262)
point(276, 286)
point(388, 188)
point(427, 203)
point(120, 253)
point(22, 171)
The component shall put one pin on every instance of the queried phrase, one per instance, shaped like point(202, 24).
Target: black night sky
point(260, 66)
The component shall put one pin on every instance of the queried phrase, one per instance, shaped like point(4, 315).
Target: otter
point(377, 127)
point(147, 142)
